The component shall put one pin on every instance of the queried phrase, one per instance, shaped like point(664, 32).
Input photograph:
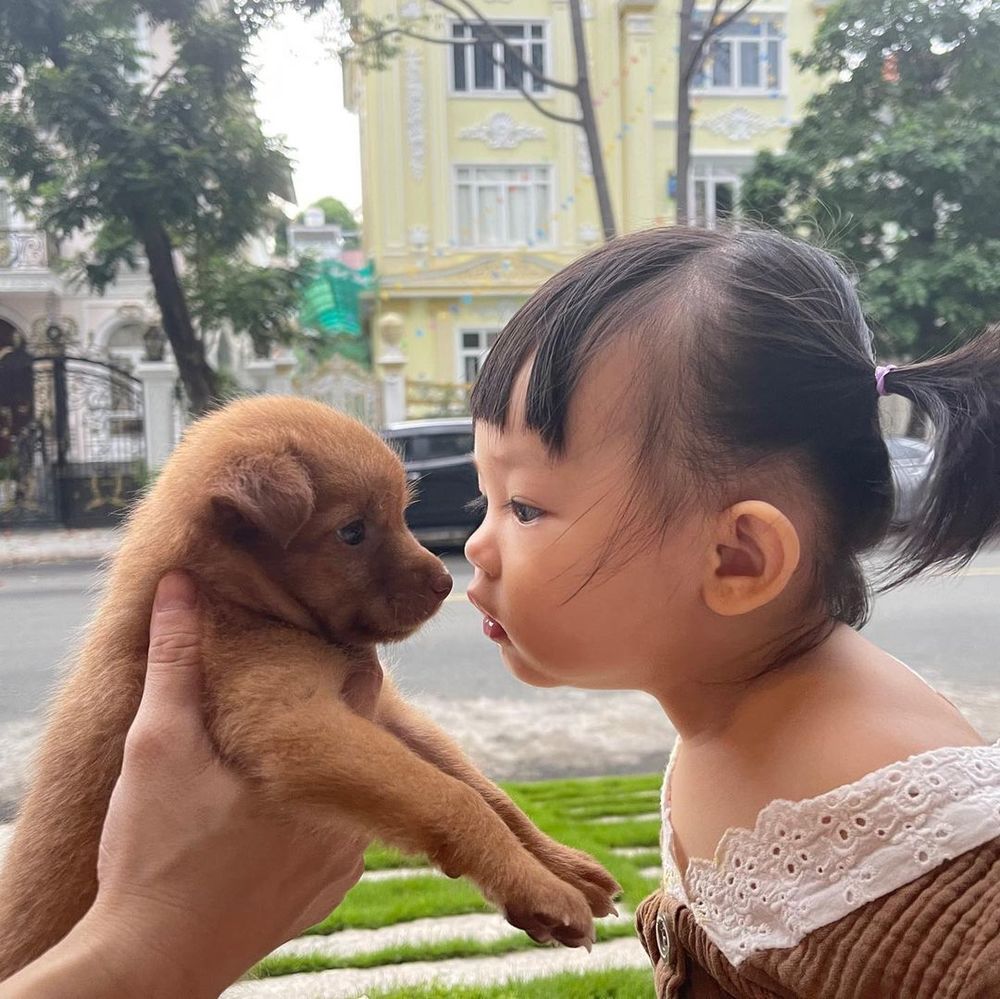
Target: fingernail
point(175, 592)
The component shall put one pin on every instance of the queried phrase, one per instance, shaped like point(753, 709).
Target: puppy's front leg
point(434, 745)
point(320, 753)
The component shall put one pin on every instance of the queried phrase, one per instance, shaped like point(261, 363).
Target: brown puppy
point(290, 518)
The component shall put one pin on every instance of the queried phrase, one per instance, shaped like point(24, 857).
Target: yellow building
point(472, 197)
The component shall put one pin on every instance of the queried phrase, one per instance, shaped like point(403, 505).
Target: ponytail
point(959, 394)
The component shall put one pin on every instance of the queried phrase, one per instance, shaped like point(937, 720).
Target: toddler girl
point(679, 447)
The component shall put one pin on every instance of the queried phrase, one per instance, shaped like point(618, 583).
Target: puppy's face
point(322, 517)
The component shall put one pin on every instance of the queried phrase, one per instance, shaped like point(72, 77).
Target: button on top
point(663, 939)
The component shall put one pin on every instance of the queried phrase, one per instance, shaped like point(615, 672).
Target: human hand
point(193, 874)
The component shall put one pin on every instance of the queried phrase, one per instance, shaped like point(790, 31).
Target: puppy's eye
point(353, 533)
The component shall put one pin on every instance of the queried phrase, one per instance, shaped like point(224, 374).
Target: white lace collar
point(808, 863)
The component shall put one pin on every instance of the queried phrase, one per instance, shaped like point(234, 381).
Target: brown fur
point(250, 504)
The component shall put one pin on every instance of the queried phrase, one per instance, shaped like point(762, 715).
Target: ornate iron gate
point(72, 447)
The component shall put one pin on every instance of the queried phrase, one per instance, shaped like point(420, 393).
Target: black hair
point(749, 347)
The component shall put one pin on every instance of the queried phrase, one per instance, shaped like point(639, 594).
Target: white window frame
point(470, 67)
point(737, 88)
point(505, 243)
point(714, 170)
point(476, 354)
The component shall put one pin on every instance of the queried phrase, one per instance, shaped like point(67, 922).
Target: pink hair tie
point(880, 374)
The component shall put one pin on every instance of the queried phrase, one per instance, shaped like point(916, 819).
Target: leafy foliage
point(262, 302)
point(894, 164)
point(100, 137)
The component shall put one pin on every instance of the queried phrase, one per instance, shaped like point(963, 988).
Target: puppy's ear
point(270, 493)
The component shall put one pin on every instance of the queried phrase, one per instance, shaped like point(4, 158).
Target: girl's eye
point(353, 533)
point(525, 514)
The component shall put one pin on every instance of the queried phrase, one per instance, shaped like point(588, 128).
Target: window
point(503, 206)
point(480, 64)
point(474, 345)
point(746, 56)
point(427, 447)
point(714, 193)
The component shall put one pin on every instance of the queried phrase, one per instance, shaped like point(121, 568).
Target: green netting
point(330, 303)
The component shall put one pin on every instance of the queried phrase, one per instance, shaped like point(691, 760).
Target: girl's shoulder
point(761, 934)
point(902, 840)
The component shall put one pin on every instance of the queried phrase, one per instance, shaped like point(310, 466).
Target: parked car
point(437, 455)
point(910, 460)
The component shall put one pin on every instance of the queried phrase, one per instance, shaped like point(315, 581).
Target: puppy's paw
point(548, 909)
point(583, 872)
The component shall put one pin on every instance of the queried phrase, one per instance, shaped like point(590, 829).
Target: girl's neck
point(716, 696)
point(843, 685)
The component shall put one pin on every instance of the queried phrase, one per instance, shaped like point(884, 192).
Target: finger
point(173, 671)
point(330, 896)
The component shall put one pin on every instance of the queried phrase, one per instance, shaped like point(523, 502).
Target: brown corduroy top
point(937, 937)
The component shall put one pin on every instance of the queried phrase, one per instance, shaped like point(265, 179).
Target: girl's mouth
point(493, 630)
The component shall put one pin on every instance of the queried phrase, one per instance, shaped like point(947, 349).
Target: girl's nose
point(481, 551)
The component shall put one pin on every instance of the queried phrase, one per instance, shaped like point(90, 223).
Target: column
point(158, 380)
point(391, 363)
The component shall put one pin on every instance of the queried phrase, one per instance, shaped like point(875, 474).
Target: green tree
point(335, 212)
point(260, 302)
point(94, 143)
point(894, 164)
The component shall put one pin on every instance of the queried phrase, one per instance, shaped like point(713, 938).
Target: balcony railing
point(23, 249)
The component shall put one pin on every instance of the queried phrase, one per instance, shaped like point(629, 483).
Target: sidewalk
point(56, 545)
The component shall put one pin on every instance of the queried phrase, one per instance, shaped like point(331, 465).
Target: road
point(948, 629)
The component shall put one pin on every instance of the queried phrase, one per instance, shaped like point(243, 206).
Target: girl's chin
point(524, 672)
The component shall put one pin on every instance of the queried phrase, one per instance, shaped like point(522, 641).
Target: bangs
point(570, 319)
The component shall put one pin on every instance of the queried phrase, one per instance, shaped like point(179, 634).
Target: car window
point(447, 445)
point(427, 446)
point(401, 445)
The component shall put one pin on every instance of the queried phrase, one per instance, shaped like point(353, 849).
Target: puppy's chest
point(250, 663)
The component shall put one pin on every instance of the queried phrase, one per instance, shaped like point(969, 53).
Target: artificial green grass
point(616, 983)
point(292, 964)
point(561, 808)
point(372, 904)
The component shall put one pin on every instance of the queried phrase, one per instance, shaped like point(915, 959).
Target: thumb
point(173, 669)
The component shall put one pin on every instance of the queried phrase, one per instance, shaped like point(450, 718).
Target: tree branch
point(405, 32)
point(709, 33)
point(144, 103)
point(410, 33)
point(498, 36)
point(729, 18)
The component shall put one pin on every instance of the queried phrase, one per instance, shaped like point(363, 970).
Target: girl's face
point(551, 523)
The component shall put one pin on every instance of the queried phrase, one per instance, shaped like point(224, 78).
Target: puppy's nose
point(441, 584)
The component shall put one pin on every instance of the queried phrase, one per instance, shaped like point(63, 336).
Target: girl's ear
point(755, 550)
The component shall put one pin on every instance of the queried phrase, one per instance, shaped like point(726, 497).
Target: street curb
point(40, 548)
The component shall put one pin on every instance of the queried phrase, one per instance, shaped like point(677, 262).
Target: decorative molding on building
point(738, 124)
point(493, 270)
point(583, 163)
point(500, 131)
point(419, 236)
point(412, 10)
point(638, 24)
point(588, 233)
point(415, 133)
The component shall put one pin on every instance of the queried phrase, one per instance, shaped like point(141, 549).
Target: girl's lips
point(493, 630)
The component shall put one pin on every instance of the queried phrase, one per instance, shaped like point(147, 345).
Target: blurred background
point(347, 200)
